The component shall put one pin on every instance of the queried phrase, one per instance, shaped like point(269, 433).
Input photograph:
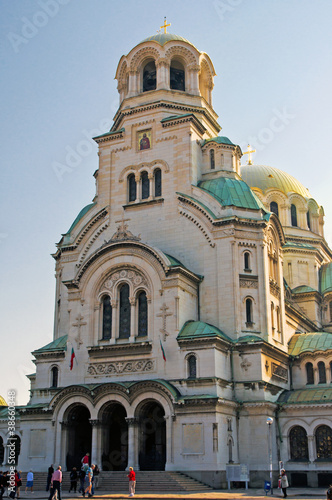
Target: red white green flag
point(162, 350)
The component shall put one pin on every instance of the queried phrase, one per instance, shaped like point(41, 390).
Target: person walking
point(81, 476)
point(132, 481)
point(73, 480)
point(56, 483)
point(29, 482)
point(329, 493)
point(88, 481)
point(284, 482)
point(18, 482)
point(49, 476)
point(96, 473)
point(86, 459)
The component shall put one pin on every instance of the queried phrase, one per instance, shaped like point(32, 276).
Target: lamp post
point(269, 422)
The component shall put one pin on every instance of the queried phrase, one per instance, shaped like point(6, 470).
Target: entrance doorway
point(152, 455)
point(79, 435)
point(114, 437)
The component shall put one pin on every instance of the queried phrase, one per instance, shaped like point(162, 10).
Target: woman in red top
point(132, 481)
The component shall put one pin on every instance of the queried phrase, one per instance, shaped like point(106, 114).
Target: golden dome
point(264, 178)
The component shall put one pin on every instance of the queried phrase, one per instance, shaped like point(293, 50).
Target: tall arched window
point(330, 311)
point(330, 371)
point(192, 367)
point(142, 314)
point(293, 215)
point(54, 376)
point(177, 76)
point(246, 261)
point(323, 437)
point(310, 373)
point(157, 182)
point(149, 76)
point(107, 318)
point(298, 443)
point(124, 323)
point(278, 319)
point(145, 186)
point(308, 220)
point(321, 372)
point(249, 311)
point(212, 160)
point(131, 187)
point(274, 207)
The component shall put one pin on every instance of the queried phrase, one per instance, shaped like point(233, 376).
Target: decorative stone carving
point(119, 367)
point(279, 371)
point(248, 283)
point(137, 279)
point(122, 233)
point(164, 315)
point(79, 323)
point(245, 364)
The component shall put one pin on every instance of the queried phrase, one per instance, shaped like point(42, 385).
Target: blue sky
point(58, 60)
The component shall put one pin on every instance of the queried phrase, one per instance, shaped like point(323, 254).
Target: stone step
point(117, 481)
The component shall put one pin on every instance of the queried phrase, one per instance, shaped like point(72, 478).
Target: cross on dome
point(165, 25)
point(249, 162)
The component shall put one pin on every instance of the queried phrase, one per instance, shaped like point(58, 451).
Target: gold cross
point(165, 25)
point(249, 153)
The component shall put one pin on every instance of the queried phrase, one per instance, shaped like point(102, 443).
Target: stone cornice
point(127, 349)
point(191, 118)
point(299, 316)
point(168, 105)
point(204, 343)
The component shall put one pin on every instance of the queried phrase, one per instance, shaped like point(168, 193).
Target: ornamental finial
point(165, 25)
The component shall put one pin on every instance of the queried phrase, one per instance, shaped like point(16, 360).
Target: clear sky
point(58, 61)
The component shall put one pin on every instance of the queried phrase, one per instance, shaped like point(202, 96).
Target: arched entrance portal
point(152, 446)
point(114, 437)
point(79, 434)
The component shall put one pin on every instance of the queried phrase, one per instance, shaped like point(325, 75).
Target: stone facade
point(177, 257)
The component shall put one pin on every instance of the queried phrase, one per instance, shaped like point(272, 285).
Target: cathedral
point(193, 309)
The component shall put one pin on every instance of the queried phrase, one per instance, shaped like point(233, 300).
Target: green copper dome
point(163, 38)
point(309, 342)
point(264, 178)
point(232, 192)
point(326, 278)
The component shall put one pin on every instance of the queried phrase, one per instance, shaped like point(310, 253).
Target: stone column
point(193, 84)
point(132, 83)
point(138, 187)
point(62, 450)
point(114, 304)
point(162, 74)
point(95, 451)
point(132, 301)
point(151, 191)
point(132, 423)
point(169, 441)
point(311, 450)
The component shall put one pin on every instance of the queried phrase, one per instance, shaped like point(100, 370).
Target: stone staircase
point(117, 482)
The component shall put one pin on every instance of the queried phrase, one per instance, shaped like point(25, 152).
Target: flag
point(162, 350)
point(72, 357)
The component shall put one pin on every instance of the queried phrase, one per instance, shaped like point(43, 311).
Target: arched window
point(192, 367)
point(149, 76)
point(142, 314)
point(249, 311)
point(310, 373)
point(131, 187)
point(107, 318)
point(298, 443)
point(230, 450)
point(323, 437)
point(246, 261)
point(330, 371)
point(157, 182)
point(177, 76)
point(221, 160)
point(212, 161)
point(54, 376)
point(274, 207)
point(321, 372)
point(308, 220)
point(145, 186)
point(124, 323)
point(330, 311)
point(293, 215)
